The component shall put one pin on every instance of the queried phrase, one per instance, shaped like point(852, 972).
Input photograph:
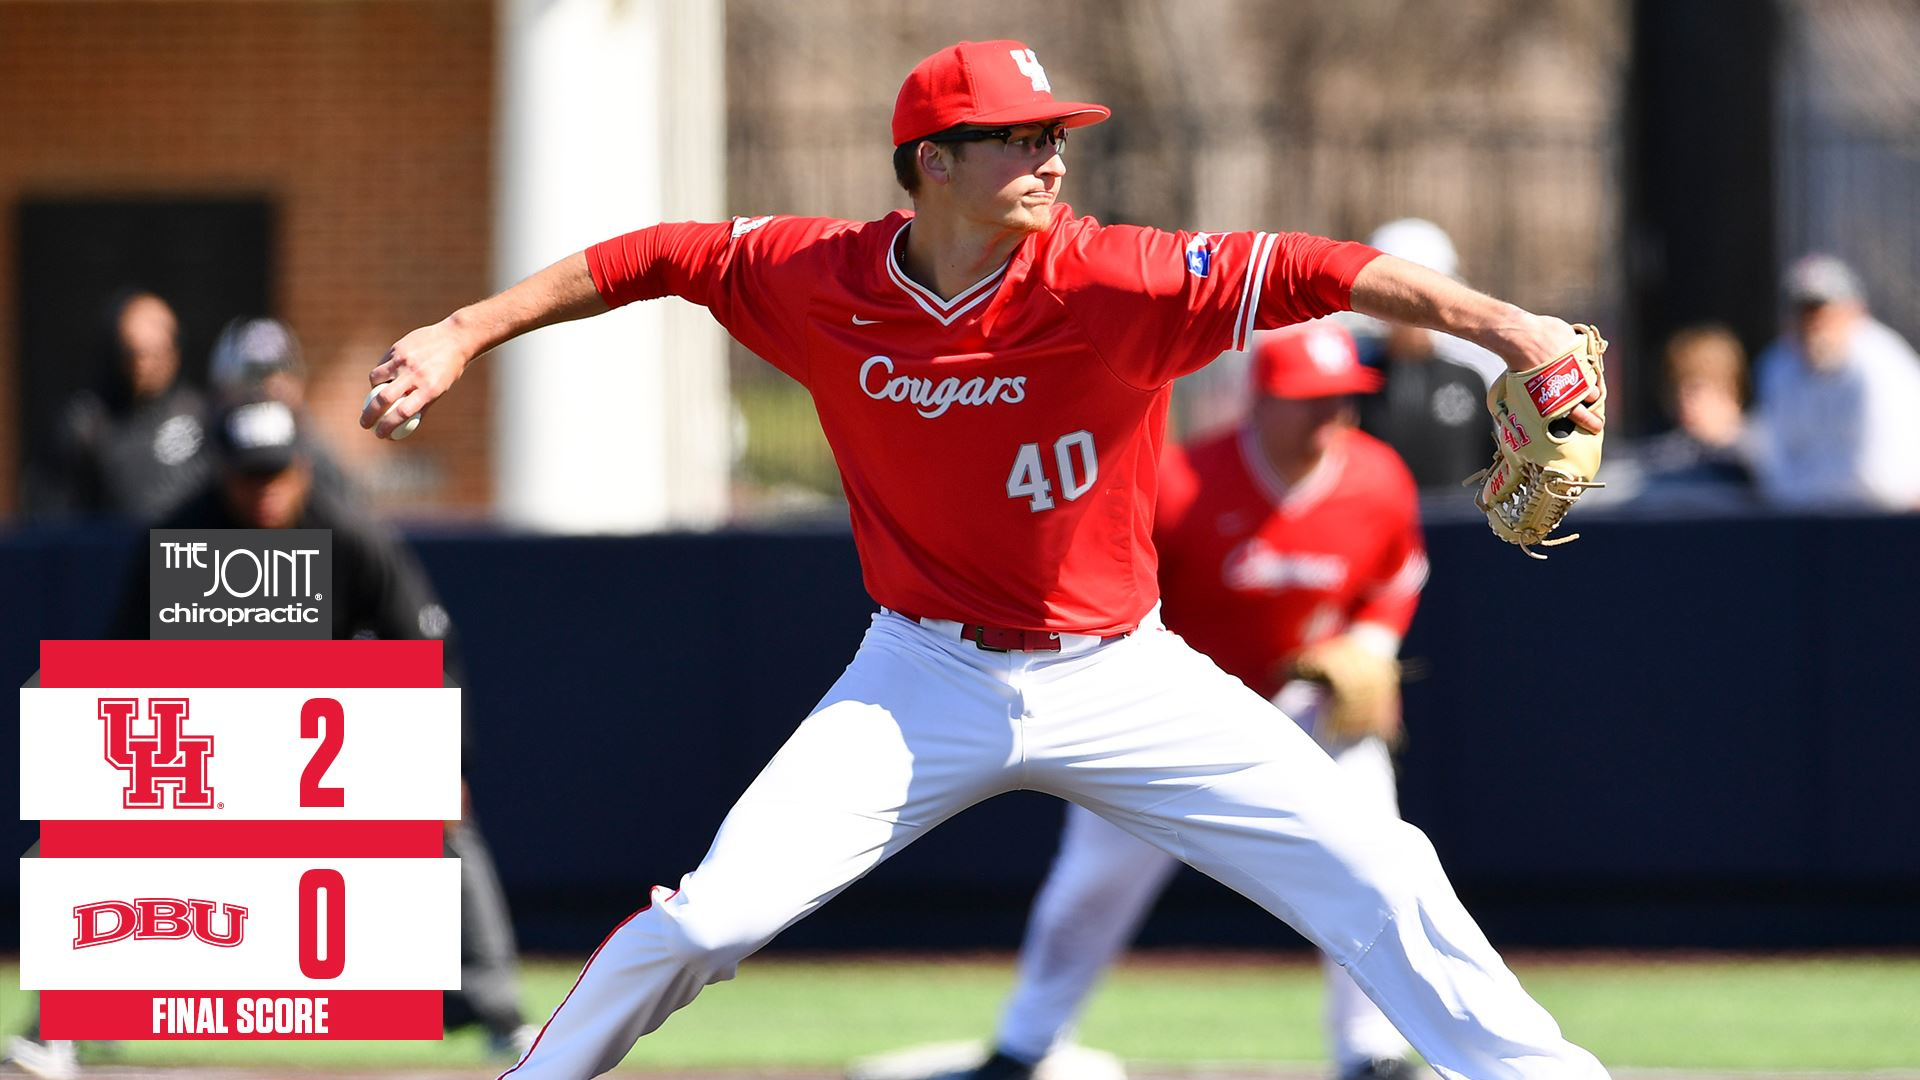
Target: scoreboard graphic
point(240, 839)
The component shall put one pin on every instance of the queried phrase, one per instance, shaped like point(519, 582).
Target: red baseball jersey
point(999, 449)
point(1253, 571)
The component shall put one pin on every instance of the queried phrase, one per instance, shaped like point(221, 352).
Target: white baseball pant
point(1143, 731)
point(1102, 884)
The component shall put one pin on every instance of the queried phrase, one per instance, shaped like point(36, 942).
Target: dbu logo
point(156, 919)
point(165, 759)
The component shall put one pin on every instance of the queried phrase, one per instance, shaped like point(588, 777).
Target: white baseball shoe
point(513, 1046)
point(53, 1060)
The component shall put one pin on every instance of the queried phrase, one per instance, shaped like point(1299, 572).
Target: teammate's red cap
point(991, 83)
point(1310, 360)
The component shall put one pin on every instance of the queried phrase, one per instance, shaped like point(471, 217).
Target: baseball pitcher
point(992, 373)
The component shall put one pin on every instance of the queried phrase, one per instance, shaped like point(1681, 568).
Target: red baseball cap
point(1311, 360)
point(991, 83)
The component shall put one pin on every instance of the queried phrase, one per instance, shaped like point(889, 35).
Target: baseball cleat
point(963, 1061)
point(512, 1045)
point(52, 1060)
point(1385, 1069)
point(998, 1066)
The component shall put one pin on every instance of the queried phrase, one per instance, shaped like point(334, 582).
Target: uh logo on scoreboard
point(240, 835)
point(168, 761)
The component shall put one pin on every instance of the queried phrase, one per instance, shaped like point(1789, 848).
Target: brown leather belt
point(1006, 639)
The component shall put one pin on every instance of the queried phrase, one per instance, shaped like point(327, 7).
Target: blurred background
point(637, 528)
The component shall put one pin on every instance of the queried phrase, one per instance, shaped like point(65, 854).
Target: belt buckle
point(980, 639)
point(1011, 640)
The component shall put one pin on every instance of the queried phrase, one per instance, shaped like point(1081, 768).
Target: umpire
point(264, 479)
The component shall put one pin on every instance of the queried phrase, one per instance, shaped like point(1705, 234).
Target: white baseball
point(404, 430)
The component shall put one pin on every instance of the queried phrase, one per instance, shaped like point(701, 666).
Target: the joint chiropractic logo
point(240, 583)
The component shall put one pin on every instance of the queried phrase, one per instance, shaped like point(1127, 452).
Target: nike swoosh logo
point(858, 321)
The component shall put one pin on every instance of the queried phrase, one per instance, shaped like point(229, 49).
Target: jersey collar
point(945, 312)
point(1312, 488)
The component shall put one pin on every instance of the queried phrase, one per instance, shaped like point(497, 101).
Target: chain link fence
point(1849, 144)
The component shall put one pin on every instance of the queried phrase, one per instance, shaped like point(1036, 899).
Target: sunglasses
point(1029, 139)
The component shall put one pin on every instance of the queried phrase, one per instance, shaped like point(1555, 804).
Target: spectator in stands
point(1703, 463)
point(1837, 396)
point(1432, 408)
point(135, 448)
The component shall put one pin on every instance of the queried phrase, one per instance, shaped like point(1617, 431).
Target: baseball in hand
point(404, 430)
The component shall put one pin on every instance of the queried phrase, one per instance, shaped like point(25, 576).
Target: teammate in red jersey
point(1294, 533)
point(1294, 527)
point(993, 374)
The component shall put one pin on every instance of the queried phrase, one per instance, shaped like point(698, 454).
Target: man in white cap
point(1431, 408)
point(1836, 394)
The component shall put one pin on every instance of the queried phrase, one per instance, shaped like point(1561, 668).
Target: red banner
point(337, 664)
point(240, 1014)
point(241, 839)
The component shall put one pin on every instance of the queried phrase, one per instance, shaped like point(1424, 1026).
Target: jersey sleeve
point(752, 274)
point(1391, 592)
point(1158, 305)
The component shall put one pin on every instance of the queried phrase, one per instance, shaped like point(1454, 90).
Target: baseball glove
point(1363, 688)
point(1543, 462)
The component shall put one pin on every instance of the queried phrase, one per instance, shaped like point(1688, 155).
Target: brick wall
point(367, 123)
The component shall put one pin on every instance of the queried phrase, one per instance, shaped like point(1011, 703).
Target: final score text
point(251, 1016)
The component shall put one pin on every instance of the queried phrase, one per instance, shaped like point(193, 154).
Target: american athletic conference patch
point(1200, 254)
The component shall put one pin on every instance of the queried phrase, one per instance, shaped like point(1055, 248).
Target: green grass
point(1838, 1013)
point(1806, 1013)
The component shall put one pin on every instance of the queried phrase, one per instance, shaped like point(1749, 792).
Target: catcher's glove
point(1363, 688)
point(1543, 461)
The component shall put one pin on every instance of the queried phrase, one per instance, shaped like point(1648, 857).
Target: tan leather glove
point(1543, 462)
point(1363, 688)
